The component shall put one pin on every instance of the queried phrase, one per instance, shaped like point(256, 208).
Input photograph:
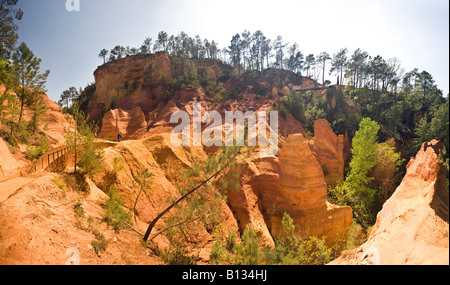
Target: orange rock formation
point(130, 124)
point(328, 149)
point(302, 192)
point(412, 228)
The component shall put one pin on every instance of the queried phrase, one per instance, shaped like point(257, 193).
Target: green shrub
point(292, 250)
point(294, 103)
point(178, 253)
point(59, 183)
point(224, 76)
point(114, 214)
point(248, 253)
point(76, 182)
point(35, 152)
point(282, 111)
point(100, 243)
point(79, 210)
point(233, 93)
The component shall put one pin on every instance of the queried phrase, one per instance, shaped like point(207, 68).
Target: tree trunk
point(22, 96)
point(153, 223)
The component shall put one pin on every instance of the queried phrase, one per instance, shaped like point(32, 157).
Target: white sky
point(414, 31)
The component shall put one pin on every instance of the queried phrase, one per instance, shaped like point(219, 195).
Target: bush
point(233, 93)
point(294, 103)
point(251, 254)
point(292, 250)
point(59, 183)
point(282, 111)
point(76, 182)
point(100, 243)
point(35, 152)
point(114, 214)
point(177, 255)
point(79, 210)
point(224, 76)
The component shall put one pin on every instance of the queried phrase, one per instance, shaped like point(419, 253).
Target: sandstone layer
point(302, 192)
point(412, 228)
point(130, 124)
point(328, 148)
point(40, 226)
point(54, 122)
point(119, 84)
point(11, 165)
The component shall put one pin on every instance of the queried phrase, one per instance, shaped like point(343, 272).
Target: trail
point(10, 187)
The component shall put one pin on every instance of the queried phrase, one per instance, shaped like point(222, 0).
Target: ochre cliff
point(54, 122)
point(412, 228)
point(130, 124)
point(119, 84)
point(13, 162)
point(294, 182)
point(328, 148)
point(302, 192)
point(11, 165)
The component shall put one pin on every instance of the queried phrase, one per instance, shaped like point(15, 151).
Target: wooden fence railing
point(50, 158)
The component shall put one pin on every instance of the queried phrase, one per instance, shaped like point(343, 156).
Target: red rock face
point(302, 192)
point(294, 183)
point(412, 227)
point(328, 148)
point(56, 122)
point(119, 84)
point(130, 124)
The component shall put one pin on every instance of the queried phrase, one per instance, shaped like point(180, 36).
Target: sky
point(68, 42)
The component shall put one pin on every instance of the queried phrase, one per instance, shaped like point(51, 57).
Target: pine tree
point(28, 80)
point(81, 138)
point(8, 28)
point(103, 53)
point(356, 190)
point(197, 209)
point(38, 110)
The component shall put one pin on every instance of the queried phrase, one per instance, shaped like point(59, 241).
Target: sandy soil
point(40, 226)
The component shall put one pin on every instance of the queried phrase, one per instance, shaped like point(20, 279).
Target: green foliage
point(217, 251)
point(224, 76)
point(313, 113)
point(386, 171)
point(200, 208)
point(100, 243)
point(76, 182)
point(356, 191)
point(356, 236)
point(365, 146)
point(331, 93)
point(79, 210)
point(293, 250)
point(439, 127)
point(88, 155)
point(185, 77)
point(85, 97)
point(8, 27)
point(115, 215)
point(294, 103)
point(234, 93)
point(91, 155)
point(251, 252)
point(38, 110)
point(212, 87)
point(61, 184)
point(177, 254)
point(35, 152)
point(143, 182)
point(28, 80)
point(282, 111)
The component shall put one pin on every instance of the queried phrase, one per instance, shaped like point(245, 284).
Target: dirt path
point(10, 187)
